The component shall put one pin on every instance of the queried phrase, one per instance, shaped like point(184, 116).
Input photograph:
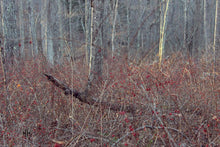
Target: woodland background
point(160, 55)
point(130, 26)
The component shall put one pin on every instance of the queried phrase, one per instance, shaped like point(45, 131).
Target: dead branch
point(85, 97)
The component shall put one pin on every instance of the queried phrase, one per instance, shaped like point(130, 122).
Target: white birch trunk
point(91, 41)
point(214, 42)
point(3, 26)
point(215, 28)
point(163, 25)
point(86, 31)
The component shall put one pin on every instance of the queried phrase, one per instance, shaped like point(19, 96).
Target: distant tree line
point(63, 28)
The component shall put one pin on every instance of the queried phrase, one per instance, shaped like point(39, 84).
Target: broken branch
point(86, 98)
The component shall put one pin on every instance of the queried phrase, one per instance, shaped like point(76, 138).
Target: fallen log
point(85, 97)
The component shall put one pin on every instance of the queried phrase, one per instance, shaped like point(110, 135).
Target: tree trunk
point(46, 32)
point(215, 28)
point(113, 26)
point(61, 40)
point(33, 34)
point(163, 21)
point(95, 74)
point(205, 27)
point(44, 27)
point(197, 32)
point(10, 30)
point(50, 31)
point(214, 42)
point(185, 25)
point(70, 25)
point(86, 31)
point(88, 98)
point(21, 28)
point(128, 31)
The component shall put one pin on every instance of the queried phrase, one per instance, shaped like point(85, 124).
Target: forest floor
point(181, 101)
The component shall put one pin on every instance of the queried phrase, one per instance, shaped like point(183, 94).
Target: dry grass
point(181, 104)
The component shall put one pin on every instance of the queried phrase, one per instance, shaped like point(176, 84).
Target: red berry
point(92, 140)
point(57, 145)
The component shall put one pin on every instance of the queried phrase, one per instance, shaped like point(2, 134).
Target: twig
point(150, 127)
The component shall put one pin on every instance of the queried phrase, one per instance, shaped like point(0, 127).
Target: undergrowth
point(181, 101)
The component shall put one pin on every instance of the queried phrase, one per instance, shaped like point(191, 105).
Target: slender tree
point(113, 26)
point(33, 34)
point(163, 21)
point(86, 31)
point(61, 37)
point(91, 40)
point(70, 24)
point(21, 27)
point(215, 27)
point(95, 66)
point(128, 29)
point(10, 24)
point(205, 25)
point(44, 22)
point(50, 31)
point(214, 42)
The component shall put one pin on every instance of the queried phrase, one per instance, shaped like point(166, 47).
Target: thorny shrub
point(181, 101)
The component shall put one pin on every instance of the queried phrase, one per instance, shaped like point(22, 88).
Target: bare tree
point(214, 42)
point(46, 31)
point(163, 24)
point(33, 33)
point(86, 30)
point(10, 31)
point(113, 26)
point(70, 23)
point(44, 23)
point(95, 74)
point(61, 37)
point(21, 28)
point(205, 25)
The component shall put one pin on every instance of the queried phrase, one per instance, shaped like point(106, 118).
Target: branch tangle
point(85, 97)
